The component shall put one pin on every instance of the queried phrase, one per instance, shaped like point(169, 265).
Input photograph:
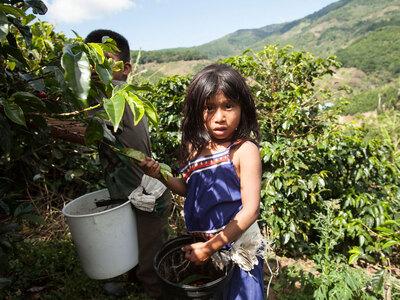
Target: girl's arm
point(152, 169)
point(248, 165)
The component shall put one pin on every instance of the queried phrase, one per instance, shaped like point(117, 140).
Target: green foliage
point(331, 277)
point(309, 159)
point(9, 234)
point(386, 236)
point(369, 100)
point(160, 56)
point(45, 78)
point(51, 270)
point(167, 97)
point(341, 282)
point(375, 52)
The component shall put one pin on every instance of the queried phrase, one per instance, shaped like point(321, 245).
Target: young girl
point(221, 175)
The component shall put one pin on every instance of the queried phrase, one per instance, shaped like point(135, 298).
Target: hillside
point(363, 34)
point(153, 71)
point(376, 52)
point(323, 33)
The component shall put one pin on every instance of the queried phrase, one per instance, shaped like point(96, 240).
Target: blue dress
point(213, 199)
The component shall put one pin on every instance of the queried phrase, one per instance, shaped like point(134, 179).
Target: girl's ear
point(127, 68)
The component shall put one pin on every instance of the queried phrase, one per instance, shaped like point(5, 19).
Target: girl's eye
point(207, 107)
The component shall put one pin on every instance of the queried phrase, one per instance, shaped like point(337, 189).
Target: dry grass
point(174, 67)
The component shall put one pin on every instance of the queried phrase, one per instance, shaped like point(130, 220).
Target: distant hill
point(335, 27)
point(375, 52)
point(363, 34)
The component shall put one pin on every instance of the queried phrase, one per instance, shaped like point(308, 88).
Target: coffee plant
point(45, 80)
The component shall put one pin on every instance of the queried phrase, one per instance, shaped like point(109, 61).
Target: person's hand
point(197, 253)
point(151, 168)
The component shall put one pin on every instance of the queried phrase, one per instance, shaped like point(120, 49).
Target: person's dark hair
point(206, 83)
point(96, 36)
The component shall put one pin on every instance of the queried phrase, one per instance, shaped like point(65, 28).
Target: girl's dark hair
point(97, 35)
point(205, 84)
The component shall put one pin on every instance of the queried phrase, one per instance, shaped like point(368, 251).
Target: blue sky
point(161, 24)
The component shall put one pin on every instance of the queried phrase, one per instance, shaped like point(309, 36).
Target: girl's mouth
point(219, 130)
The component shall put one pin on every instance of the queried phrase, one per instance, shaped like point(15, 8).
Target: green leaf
point(12, 10)
point(25, 31)
point(321, 182)
point(94, 132)
point(136, 106)
point(378, 280)
point(351, 281)
point(3, 27)
point(22, 209)
point(390, 243)
point(109, 45)
point(165, 170)
point(16, 53)
point(33, 218)
point(5, 243)
point(130, 87)
point(28, 100)
point(77, 72)
point(286, 237)
point(6, 137)
point(353, 258)
point(38, 85)
point(97, 52)
point(28, 18)
point(11, 65)
point(385, 229)
point(101, 64)
point(356, 250)
point(38, 7)
point(115, 109)
point(361, 239)
point(133, 154)
point(105, 74)
point(117, 65)
point(14, 113)
point(38, 178)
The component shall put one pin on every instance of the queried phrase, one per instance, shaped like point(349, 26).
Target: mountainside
point(363, 34)
point(335, 27)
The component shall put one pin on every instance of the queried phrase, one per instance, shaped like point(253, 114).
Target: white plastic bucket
point(105, 238)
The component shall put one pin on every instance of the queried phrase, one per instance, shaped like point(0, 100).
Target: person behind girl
point(221, 175)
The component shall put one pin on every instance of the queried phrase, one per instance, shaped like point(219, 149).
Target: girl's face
point(221, 117)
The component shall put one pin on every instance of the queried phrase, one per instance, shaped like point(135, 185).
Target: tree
point(45, 78)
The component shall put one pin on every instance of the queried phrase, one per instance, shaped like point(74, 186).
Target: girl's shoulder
point(245, 145)
point(244, 148)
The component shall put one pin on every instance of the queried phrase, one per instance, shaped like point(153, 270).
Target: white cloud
point(75, 11)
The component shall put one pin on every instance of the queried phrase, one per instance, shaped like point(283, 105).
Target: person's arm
point(249, 169)
point(152, 169)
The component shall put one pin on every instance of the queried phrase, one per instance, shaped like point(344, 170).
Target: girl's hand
point(197, 253)
point(151, 168)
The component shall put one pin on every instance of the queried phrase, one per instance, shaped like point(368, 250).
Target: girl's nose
point(219, 115)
